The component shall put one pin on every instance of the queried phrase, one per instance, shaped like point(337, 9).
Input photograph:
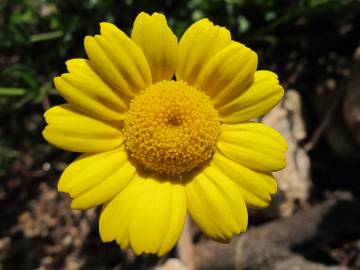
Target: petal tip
point(104, 25)
point(89, 41)
point(61, 186)
point(143, 14)
point(45, 132)
point(57, 81)
point(78, 205)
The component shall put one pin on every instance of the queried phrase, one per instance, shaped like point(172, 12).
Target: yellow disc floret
point(171, 127)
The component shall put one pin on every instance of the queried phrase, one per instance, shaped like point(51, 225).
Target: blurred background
point(314, 220)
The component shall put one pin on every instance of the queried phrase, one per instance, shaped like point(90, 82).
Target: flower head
point(155, 147)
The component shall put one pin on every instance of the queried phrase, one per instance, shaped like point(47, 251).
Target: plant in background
point(156, 147)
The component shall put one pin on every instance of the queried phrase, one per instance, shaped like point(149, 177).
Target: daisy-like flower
point(155, 147)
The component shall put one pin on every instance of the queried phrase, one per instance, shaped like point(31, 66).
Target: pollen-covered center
point(171, 127)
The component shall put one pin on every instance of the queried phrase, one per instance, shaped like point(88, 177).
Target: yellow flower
point(156, 147)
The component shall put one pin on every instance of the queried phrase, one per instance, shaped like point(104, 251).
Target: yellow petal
point(109, 187)
point(147, 214)
point(158, 43)
point(115, 214)
point(71, 130)
point(231, 192)
point(89, 171)
point(258, 99)
point(118, 60)
point(72, 88)
point(228, 73)
point(158, 217)
point(216, 205)
point(259, 184)
point(198, 45)
point(176, 220)
point(85, 89)
point(253, 145)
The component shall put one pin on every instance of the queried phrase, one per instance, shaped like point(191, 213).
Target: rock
point(298, 263)
point(294, 181)
point(172, 264)
point(287, 243)
point(351, 104)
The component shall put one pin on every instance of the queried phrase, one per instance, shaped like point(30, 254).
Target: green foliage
point(39, 36)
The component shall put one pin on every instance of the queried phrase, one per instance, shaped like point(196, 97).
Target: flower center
point(171, 127)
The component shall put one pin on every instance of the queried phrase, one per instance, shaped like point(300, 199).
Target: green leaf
point(46, 36)
point(12, 91)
